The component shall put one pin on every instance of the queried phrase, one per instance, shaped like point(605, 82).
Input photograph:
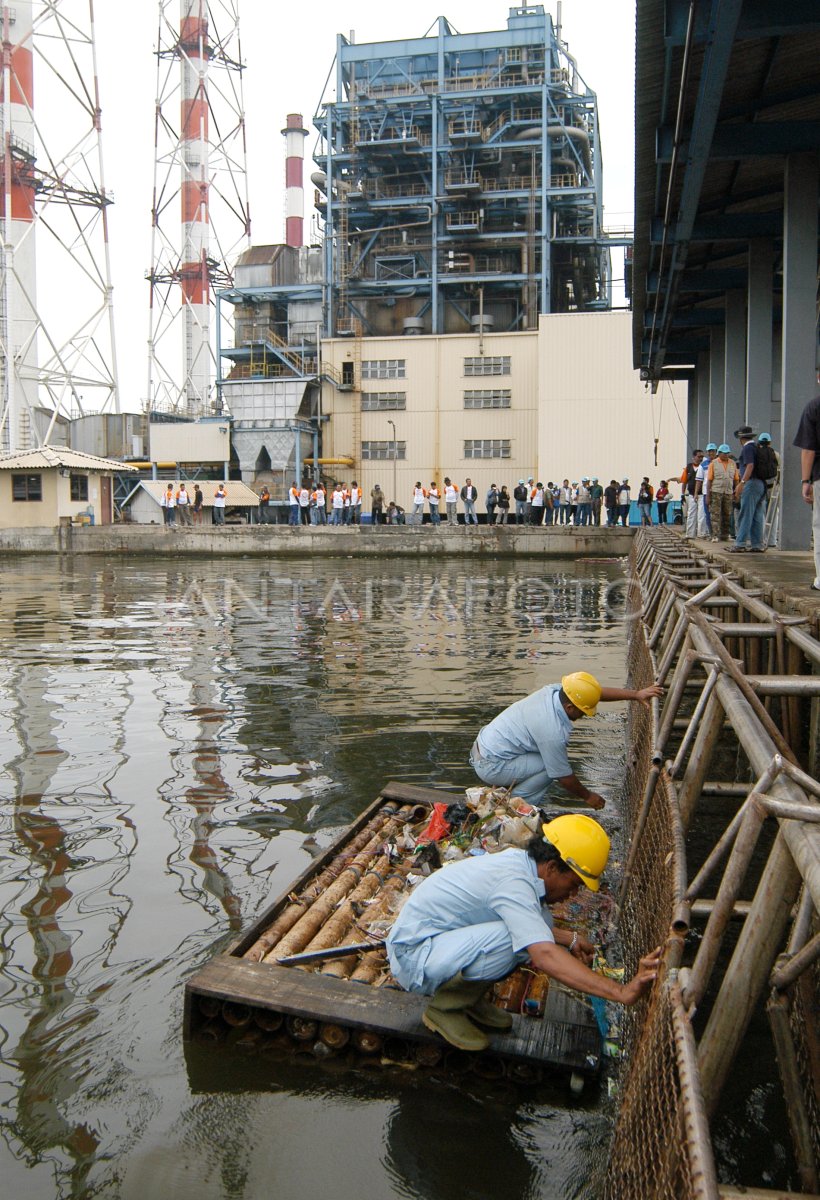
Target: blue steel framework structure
point(460, 178)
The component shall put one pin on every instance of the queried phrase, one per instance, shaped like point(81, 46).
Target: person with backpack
point(751, 492)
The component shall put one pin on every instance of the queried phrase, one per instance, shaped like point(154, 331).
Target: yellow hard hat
point(583, 690)
point(583, 845)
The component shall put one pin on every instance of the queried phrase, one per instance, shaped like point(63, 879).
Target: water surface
point(177, 740)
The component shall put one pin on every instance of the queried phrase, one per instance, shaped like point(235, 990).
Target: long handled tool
point(331, 952)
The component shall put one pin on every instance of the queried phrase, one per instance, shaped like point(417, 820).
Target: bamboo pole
point(748, 970)
point(291, 914)
point(694, 1119)
point(335, 928)
point(309, 924)
point(694, 723)
point(393, 884)
point(736, 868)
point(367, 1041)
point(788, 974)
point(724, 843)
point(700, 760)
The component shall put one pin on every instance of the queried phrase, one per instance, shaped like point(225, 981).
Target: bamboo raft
point(351, 1005)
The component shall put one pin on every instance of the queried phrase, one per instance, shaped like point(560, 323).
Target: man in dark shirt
point(751, 492)
point(807, 439)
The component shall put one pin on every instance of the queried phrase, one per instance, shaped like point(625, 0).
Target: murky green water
point(177, 740)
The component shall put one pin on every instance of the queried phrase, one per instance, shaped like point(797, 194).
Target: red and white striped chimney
point(194, 54)
point(295, 134)
point(18, 302)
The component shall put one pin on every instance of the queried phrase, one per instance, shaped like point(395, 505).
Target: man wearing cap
point(721, 480)
point(467, 926)
point(525, 746)
point(704, 522)
point(520, 494)
point(751, 492)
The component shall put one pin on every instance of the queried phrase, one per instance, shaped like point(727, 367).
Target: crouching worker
point(525, 746)
point(470, 924)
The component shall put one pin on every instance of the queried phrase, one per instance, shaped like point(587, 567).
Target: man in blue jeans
point(751, 492)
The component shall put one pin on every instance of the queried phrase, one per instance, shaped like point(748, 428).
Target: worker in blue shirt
point(525, 746)
point(473, 922)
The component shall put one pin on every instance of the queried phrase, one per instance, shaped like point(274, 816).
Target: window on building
point(384, 401)
point(79, 487)
point(488, 398)
point(487, 365)
point(487, 448)
point(373, 451)
point(26, 487)
point(383, 368)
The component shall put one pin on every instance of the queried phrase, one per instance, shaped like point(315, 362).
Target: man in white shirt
point(451, 500)
point(183, 505)
point(704, 522)
point(220, 495)
point(469, 494)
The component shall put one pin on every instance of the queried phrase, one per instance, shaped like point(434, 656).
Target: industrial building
point(459, 193)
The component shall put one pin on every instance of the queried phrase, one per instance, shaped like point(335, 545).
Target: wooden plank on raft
point(566, 1037)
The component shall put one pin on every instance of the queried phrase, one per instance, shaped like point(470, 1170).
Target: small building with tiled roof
point(144, 504)
point(41, 487)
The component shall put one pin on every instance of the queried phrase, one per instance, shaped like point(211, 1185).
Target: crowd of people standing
point(725, 493)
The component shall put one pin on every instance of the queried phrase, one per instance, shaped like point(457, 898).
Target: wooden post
point(700, 760)
point(748, 971)
point(753, 817)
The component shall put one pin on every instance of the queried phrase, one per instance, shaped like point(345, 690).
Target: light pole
point(392, 425)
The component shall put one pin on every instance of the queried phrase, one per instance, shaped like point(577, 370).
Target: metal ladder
point(771, 521)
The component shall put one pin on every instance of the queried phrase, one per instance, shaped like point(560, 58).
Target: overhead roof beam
point(704, 281)
point(696, 318)
point(761, 140)
point(732, 227)
point(723, 22)
point(760, 19)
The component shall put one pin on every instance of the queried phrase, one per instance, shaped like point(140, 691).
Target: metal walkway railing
point(741, 689)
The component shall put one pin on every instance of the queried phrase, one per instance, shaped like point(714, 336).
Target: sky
point(289, 51)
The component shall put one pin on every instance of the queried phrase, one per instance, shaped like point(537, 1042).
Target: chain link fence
point(661, 1146)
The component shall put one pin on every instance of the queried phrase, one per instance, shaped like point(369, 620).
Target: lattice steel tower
point(200, 213)
point(57, 350)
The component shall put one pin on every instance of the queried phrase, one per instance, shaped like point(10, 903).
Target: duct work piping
point(571, 132)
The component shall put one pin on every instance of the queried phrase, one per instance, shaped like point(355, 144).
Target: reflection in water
point(178, 740)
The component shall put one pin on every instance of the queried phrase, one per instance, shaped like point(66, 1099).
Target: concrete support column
point(717, 386)
point(759, 337)
point(703, 373)
point(799, 341)
point(692, 414)
point(734, 365)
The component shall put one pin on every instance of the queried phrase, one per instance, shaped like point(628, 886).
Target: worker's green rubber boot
point(485, 1012)
point(445, 1014)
